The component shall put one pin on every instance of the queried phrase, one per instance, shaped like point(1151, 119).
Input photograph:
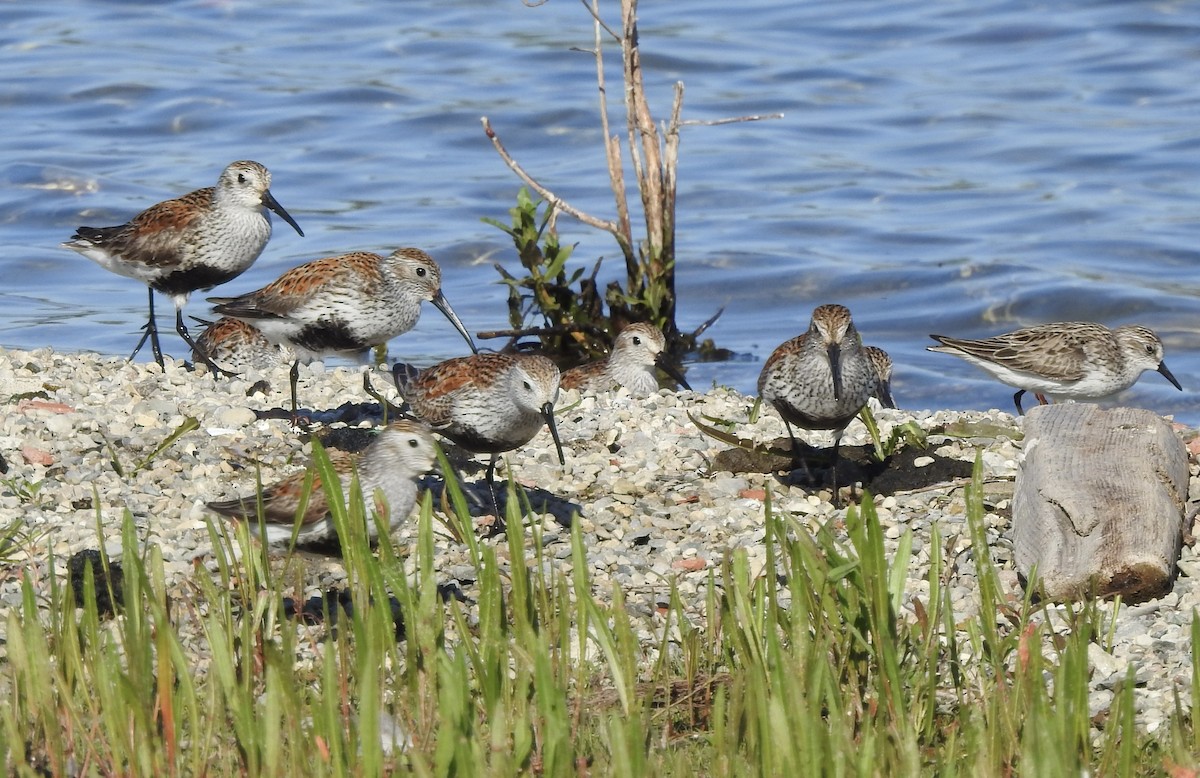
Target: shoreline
point(652, 507)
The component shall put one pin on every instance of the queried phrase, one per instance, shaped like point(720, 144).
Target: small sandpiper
point(197, 241)
point(387, 473)
point(343, 305)
point(237, 347)
point(1070, 360)
point(820, 380)
point(638, 350)
point(486, 403)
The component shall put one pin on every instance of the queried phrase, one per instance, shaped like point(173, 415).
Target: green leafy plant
point(26, 491)
point(188, 425)
point(909, 433)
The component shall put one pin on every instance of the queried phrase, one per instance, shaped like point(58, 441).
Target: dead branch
point(564, 329)
point(612, 147)
point(595, 12)
point(647, 154)
point(554, 200)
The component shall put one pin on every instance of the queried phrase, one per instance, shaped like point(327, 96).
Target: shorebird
point(486, 403)
point(1071, 360)
point(237, 346)
point(343, 305)
point(883, 371)
point(821, 379)
point(638, 350)
point(197, 241)
point(387, 471)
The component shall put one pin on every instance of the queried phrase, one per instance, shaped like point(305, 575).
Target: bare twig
point(612, 147)
point(646, 154)
point(554, 200)
point(565, 329)
point(595, 12)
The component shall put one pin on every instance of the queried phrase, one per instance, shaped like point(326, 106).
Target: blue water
point(955, 167)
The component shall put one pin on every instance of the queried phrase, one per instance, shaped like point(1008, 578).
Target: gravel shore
point(653, 507)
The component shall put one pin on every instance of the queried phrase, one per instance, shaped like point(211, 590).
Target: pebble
point(652, 512)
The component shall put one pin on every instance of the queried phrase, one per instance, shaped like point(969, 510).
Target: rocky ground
point(658, 499)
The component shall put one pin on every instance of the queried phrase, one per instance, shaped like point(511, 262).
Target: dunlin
point(820, 380)
point(343, 305)
point(883, 374)
point(638, 350)
point(387, 471)
point(486, 403)
point(197, 241)
point(237, 346)
point(1071, 360)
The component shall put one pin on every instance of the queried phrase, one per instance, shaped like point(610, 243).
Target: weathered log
point(1099, 502)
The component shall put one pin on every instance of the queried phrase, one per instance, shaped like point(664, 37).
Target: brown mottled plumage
point(820, 380)
point(237, 346)
point(1075, 360)
point(486, 403)
point(387, 470)
point(343, 305)
point(882, 363)
point(638, 350)
point(197, 241)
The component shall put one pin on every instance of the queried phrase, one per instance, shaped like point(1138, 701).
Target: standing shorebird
point(343, 305)
point(1070, 360)
point(387, 471)
point(486, 403)
point(638, 350)
point(197, 241)
point(820, 380)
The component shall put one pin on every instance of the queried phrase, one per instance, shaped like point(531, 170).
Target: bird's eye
point(413, 442)
point(1150, 348)
point(528, 386)
point(241, 178)
point(420, 272)
point(637, 341)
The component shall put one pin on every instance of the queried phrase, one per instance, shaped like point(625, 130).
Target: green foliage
point(188, 425)
point(569, 323)
point(909, 433)
point(26, 491)
point(565, 308)
point(817, 661)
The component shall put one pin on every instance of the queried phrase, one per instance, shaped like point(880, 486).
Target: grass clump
point(820, 662)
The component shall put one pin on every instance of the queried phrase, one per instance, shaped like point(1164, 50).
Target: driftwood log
point(1099, 503)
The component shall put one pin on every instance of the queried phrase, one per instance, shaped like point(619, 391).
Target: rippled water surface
point(954, 167)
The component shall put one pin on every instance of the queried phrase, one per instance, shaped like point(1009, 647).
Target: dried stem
point(612, 147)
point(554, 200)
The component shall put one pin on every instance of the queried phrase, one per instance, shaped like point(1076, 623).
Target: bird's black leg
point(1017, 401)
point(490, 477)
point(182, 329)
point(150, 331)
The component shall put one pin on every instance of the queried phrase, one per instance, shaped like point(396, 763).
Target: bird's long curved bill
point(439, 300)
point(269, 200)
point(665, 365)
point(1162, 368)
point(548, 412)
point(835, 368)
